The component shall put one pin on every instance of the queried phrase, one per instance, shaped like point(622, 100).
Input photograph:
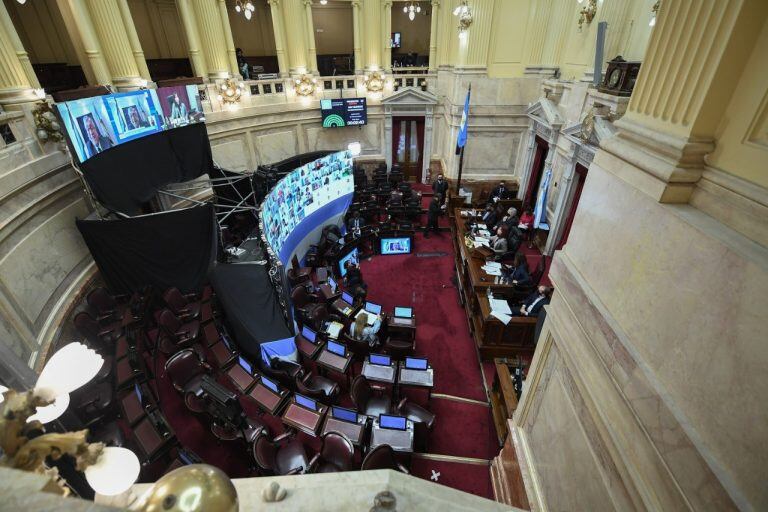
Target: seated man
point(534, 302)
point(499, 192)
point(355, 224)
point(353, 277)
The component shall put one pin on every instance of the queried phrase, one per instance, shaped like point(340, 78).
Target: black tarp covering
point(175, 248)
point(231, 193)
point(251, 306)
point(129, 174)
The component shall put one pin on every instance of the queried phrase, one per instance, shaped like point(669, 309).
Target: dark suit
point(432, 214)
point(104, 143)
point(521, 275)
point(532, 300)
point(354, 278)
point(501, 193)
point(440, 187)
point(490, 220)
point(354, 224)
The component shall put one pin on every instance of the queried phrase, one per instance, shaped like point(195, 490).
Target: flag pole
point(461, 154)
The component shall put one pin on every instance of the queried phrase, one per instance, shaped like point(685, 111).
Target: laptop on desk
point(416, 371)
point(379, 367)
point(334, 356)
point(403, 315)
point(394, 431)
point(344, 304)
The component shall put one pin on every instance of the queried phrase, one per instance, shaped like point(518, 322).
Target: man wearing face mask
point(534, 302)
point(500, 192)
point(440, 186)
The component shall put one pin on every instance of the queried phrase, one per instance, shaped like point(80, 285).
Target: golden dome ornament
point(374, 82)
point(305, 85)
point(193, 488)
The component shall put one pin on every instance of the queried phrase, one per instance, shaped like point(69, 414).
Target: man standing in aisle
point(432, 213)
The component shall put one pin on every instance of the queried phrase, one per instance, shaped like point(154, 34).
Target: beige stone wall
point(333, 28)
point(159, 27)
point(256, 37)
point(415, 34)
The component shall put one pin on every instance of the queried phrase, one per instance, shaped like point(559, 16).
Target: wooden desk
point(427, 382)
point(399, 440)
point(303, 419)
point(493, 338)
point(340, 306)
point(267, 399)
point(503, 399)
point(306, 347)
point(402, 328)
point(354, 431)
point(242, 380)
point(333, 362)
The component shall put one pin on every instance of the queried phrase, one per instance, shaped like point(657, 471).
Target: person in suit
point(500, 192)
point(395, 198)
point(518, 274)
point(355, 224)
point(499, 241)
point(432, 214)
point(489, 217)
point(94, 142)
point(509, 219)
point(354, 277)
point(440, 187)
point(534, 302)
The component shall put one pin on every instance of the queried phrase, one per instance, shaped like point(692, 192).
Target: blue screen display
point(305, 402)
point(337, 348)
point(332, 283)
point(347, 298)
point(309, 334)
point(415, 363)
point(350, 256)
point(380, 359)
point(245, 364)
point(138, 393)
point(402, 312)
point(340, 413)
point(393, 422)
point(395, 245)
point(373, 308)
point(270, 385)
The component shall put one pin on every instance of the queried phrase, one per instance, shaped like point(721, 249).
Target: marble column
point(277, 27)
point(386, 59)
point(433, 35)
point(293, 12)
point(15, 86)
point(115, 43)
point(681, 96)
point(617, 14)
point(311, 48)
point(91, 45)
point(10, 31)
point(212, 38)
point(356, 31)
point(538, 23)
point(475, 41)
point(228, 39)
point(560, 24)
point(133, 37)
point(196, 57)
point(372, 20)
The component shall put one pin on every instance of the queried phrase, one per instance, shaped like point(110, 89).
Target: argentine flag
point(462, 141)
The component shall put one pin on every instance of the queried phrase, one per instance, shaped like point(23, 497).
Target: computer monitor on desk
point(380, 359)
point(309, 335)
point(332, 284)
point(416, 363)
point(340, 413)
point(336, 348)
point(393, 422)
point(271, 385)
point(373, 308)
point(346, 297)
point(245, 365)
point(305, 402)
point(403, 312)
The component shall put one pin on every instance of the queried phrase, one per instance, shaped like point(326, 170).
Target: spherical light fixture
point(68, 369)
point(247, 14)
point(355, 148)
point(3, 389)
point(47, 413)
point(114, 472)
point(238, 8)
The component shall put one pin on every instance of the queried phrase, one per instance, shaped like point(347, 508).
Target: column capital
point(355, 3)
point(435, 3)
point(387, 4)
point(273, 3)
point(308, 3)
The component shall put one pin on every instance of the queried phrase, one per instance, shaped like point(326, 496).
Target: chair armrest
point(312, 466)
point(285, 435)
point(403, 469)
point(295, 471)
point(104, 332)
point(401, 404)
point(379, 388)
point(182, 335)
point(106, 316)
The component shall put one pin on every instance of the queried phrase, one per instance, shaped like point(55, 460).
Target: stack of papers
point(491, 270)
point(500, 309)
point(484, 232)
point(334, 329)
point(480, 241)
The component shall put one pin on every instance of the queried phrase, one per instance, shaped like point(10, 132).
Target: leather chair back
point(381, 457)
point(168, 322)
point(300, 297)
point(360, 392)
point(182, 367)
point(88, 327)
point(101, 301)
point(265, 453)
point(539, 272)
point(175, 300)
point(338, 450)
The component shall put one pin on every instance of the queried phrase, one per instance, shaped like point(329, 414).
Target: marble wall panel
point(490, 153)
point(275, 146)
point(369, 136)
point(232, 154)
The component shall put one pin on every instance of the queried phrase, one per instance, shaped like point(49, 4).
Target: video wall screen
point(303, 192)
point(97, 124)
point(344, 112)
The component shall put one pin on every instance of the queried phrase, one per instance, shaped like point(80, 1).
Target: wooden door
point(408, 146)
point(581, 176)
point(537, 171)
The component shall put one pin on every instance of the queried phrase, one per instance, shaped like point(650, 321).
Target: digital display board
point(344, 112)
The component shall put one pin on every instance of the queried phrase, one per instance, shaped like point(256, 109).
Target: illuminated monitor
point(332, 283)
point(416, 363)
point(248, 367)
point(392, 422)
point(395, 246)
point(403, 312)
point(270, 384)
point(309, 334)
point(346, 297)
point(336, 348)
point(305, 402)
point(373, 308)
point(350, 256)
point(138, 393)
point(340, 413)
point(342, 112)
point(380, 359)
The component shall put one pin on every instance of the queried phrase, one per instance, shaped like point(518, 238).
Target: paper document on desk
point(491, 271)
point(371, 317)
point(500, 305)
point(483, 232)
point(334, 329)
point(493, 264)
point(505, 319)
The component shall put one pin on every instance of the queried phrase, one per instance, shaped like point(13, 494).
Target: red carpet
point(462, 430)
point(471, 478)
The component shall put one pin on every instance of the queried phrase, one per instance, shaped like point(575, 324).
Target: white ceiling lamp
point(245, 8)
point(323, 2)
point(114, 472)
point(58, 377)
point(411, 10)
point(654, 12)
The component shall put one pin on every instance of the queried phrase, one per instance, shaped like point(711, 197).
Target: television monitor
point(392, 422)
point(397, 39)
point(305, 402)
point(336, 348)
point(309, 334)
point(337, 113)
point(380, 359)
point(416, 363)
point(343, 414)
point(269, 384)
point(332, 284)
point(403, 312)
point(374, 309)
point(395, 245)
point(248, 367)
point(350, 256)
point(346, 297)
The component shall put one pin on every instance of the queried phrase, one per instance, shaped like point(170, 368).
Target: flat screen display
point(380, 359)
point(416, 363)
point(337, 348)
point(395, 245)
point(137, 389)
point(245, 364)
point(332, 284)
point(340, 413)
point(344, 112)
point(97, 124)
point(350, 256)
point(309, 334)
point(403, 312)
point(305, 402)
point(392, 422)
point(347, 298)
point(397, 40)
point(303, 192)
point(373, 308)
point(270, 384)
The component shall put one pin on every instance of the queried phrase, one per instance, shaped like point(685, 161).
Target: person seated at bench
point(499, 241)
point(499, 192)
point(518, 273)
point(354, 277)
point(534, 302)
point(361, 331)
point(355, 224)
